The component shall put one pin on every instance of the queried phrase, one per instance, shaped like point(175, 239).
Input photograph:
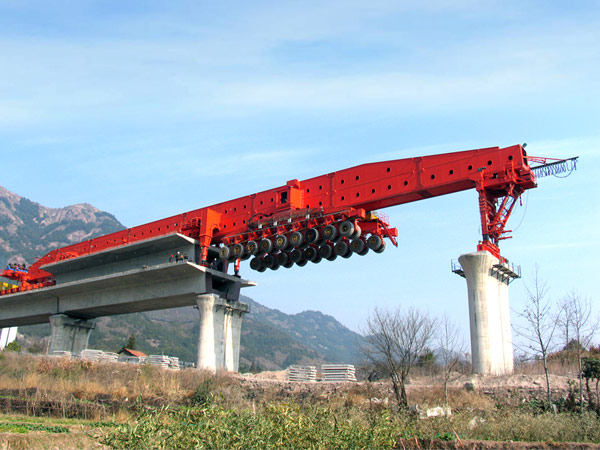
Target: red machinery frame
point(345, 198)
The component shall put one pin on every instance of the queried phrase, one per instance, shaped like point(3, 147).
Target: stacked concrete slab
point(338, 373)
point(174, 363)
point(98, 356)
point(166, 362)
point(301, 373)
point(159, 360)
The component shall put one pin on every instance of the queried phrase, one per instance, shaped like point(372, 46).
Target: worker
point(171, 258)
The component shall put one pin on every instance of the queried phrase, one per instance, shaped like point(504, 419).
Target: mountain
point(29, 230)
point(270, 338)
point(318, 331)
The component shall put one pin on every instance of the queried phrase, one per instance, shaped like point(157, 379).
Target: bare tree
point(394, 341)
point(541, 324)
point(564, 321)
point(451, 348)
point(583, 328)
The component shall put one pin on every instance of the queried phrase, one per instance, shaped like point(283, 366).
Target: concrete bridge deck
point(132, 278)
point(163, 286)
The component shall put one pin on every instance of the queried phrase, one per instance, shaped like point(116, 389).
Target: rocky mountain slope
point(270, 339)
point(29, 230)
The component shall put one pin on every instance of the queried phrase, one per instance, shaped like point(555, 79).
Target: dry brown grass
point(562, 367)
point(88, 379)
point(72, 387)
point(76, 388)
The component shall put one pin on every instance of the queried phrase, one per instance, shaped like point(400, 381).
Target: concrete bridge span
point(144, 276)
point(135, 278)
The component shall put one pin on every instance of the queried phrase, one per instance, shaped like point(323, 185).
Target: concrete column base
point(220, 331)
point(489, 315)
point(69, 334)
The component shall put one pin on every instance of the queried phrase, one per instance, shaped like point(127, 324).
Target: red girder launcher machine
point(330, 215)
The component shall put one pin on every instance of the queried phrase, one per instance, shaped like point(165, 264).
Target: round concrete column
point(219, 339)
point(206, 338)
point(489, 315)
point(229, 341)
point(236, 333)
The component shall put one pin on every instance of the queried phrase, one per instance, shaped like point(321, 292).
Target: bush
point(13, 347)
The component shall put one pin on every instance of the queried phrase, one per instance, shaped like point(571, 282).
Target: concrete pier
point(7, 335)
point(489, 312)
point(69, 334)
point(219, 337)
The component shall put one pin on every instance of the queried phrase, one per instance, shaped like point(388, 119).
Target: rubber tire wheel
point(346, 228)
point(256, 263)
point(374, 242)
point(311, 253)
point(238, 250)
point(224, 253)
point(326, 251)
point(281, 242)
point(296, 239)
point(282, 258)
point(329, 232)
point(268, 261)
point(296, 255)
point(311, 236)
point(251, 248)
point(357, 232)
point(341, 248)
point(232, 257)
point(301, 263)
point(317, 260)
point(266, 245)
point(358, 245)
point(380, 249)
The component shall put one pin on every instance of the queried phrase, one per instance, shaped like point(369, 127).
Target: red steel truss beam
point(496, 173)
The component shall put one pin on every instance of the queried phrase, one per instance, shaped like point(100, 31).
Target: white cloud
point(235, 66)
point(418, 91)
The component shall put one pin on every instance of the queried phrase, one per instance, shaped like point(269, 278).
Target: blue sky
point(148, 109)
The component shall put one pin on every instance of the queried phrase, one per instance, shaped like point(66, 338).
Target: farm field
point(55, 403)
